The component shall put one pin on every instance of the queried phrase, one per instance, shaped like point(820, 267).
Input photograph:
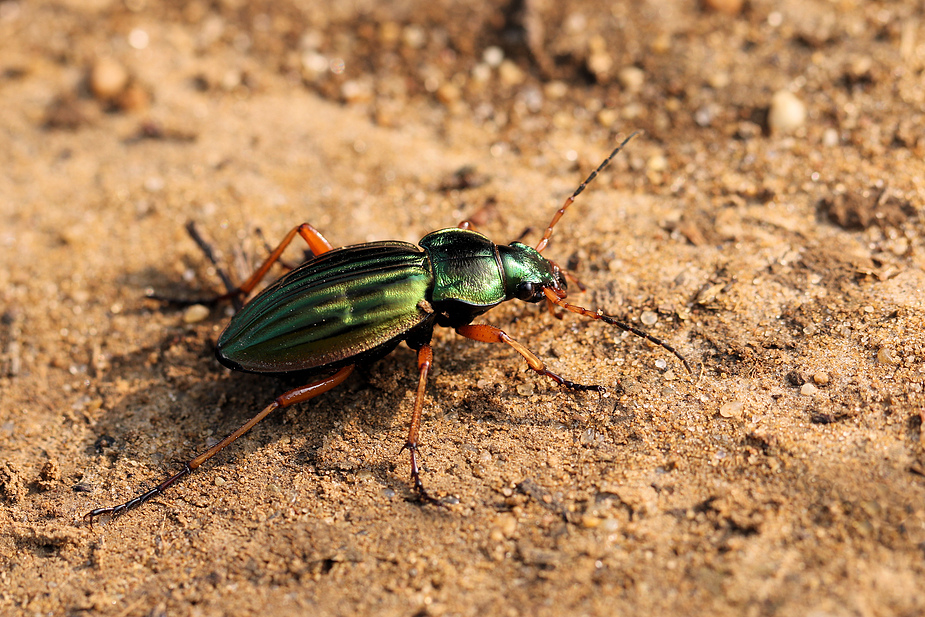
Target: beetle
point(352, 305)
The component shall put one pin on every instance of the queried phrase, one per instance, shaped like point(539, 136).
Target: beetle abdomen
point(337, 306)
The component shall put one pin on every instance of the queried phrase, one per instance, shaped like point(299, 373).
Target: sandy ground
point(774, 239)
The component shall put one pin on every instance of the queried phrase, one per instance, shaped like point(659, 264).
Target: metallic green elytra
point(355, 304)
point(339, 306)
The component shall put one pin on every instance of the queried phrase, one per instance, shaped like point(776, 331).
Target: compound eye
point(526, 291)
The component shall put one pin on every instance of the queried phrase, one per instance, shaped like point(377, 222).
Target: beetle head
point(527, 273)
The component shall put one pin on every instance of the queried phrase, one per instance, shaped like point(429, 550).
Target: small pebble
point(389, 31)
point(658, 162)
point(610, 525)
point(481, 73)
point(786, 113)
point(506, 524)
point(510, 73)
point(108, 79)
point(704, 115)
point(732, 409)
point(631, 78)
point(314, 64)
point(821, 378)
point(133, 99)
point(808, 389)
point(718, 80)
point(356, 91)
point(195, 313)
point(589, 437)
point(649, 318)
point(493, 56)
point(607, 117)
point(631, 111)
point(661, 43)
point(600, 63)
point(555, 89)
point(589, 521)
point(448, 94)
point(887, 356)
point(414, 37)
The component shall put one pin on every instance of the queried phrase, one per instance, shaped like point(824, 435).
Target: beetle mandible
point(355, 304)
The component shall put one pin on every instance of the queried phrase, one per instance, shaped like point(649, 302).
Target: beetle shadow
point(163, 404)
point(166, 403)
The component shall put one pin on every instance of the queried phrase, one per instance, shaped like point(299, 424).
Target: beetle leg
point(206, 248)
point(581, 286)
point(316, 242)
point(551, 307)
point(292, 397)
point(425, 361)
point(490, 334)
point(288, 266)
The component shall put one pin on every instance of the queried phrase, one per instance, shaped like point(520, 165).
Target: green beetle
point(354, 304)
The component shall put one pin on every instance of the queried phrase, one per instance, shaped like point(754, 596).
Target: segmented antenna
point(568, 202)
point(556, 299)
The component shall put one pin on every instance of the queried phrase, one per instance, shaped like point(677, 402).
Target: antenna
point(568, 202)
point(556, 299)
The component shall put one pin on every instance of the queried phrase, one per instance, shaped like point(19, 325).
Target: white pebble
point(493, 56)
point(108, 78)
point(732, 409)
point(195, 313)
point(786, 113)
point(887, 356)
point(631, 78)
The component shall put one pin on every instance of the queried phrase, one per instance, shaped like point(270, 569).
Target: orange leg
point(490, 334)
point(425, 361)
point(316, 242)
point(292, 397)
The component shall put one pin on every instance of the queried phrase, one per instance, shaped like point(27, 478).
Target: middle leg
point(425, 361)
